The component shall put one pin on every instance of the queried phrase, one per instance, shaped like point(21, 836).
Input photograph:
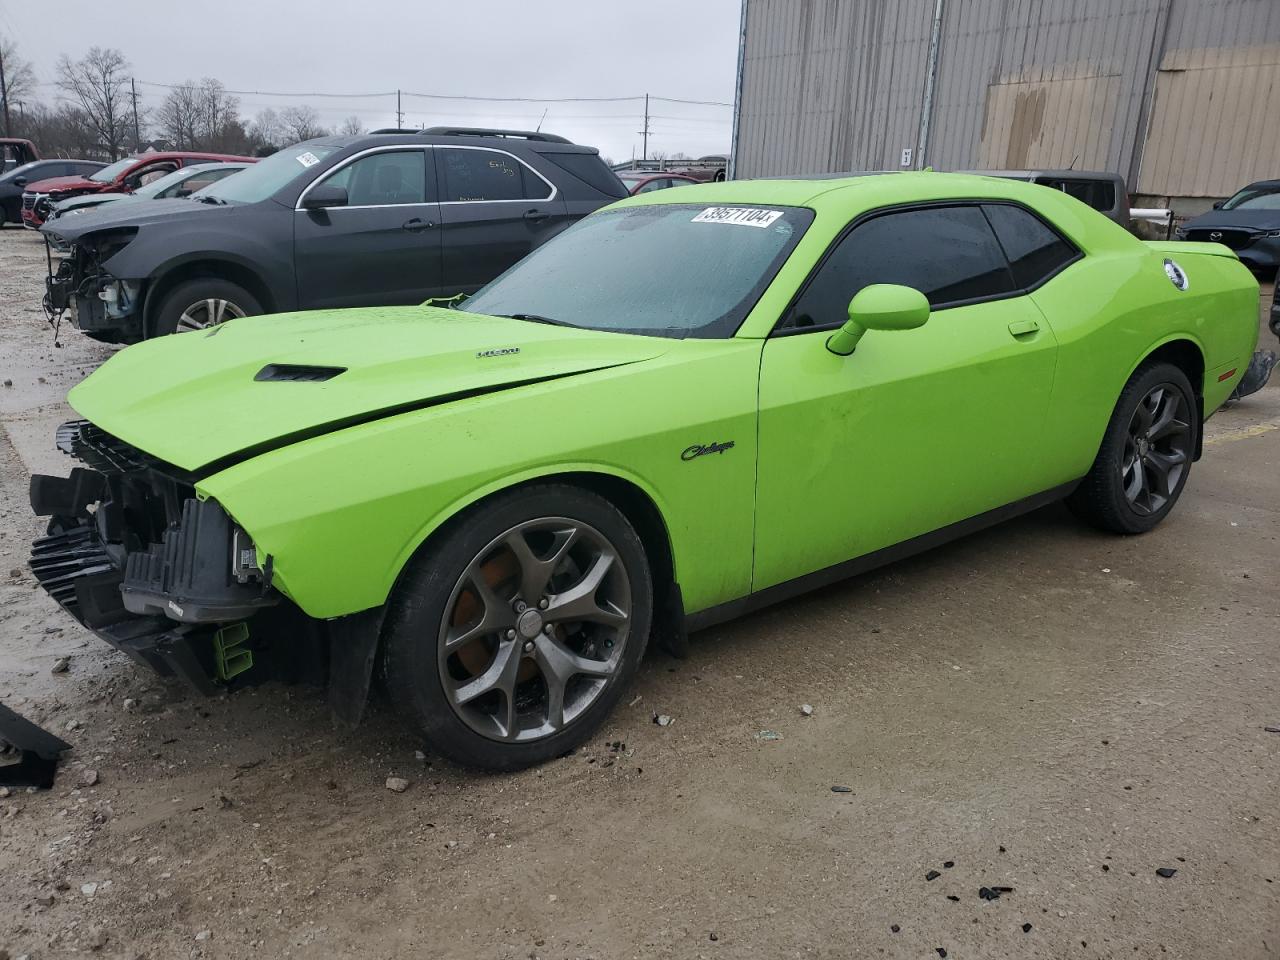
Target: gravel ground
point(1037, 707)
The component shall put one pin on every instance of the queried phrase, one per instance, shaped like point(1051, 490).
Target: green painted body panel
point(832, 456)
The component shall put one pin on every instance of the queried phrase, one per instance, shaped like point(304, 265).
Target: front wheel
point(1146, 453)
point(202, 303)
point(510, 639)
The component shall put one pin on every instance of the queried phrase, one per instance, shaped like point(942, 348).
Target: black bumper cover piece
point(29, 757)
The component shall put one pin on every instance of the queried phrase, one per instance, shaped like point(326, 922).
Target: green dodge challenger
point(690, 404)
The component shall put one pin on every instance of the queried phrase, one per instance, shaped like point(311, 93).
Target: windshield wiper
point(538, 318)
point(206, 198)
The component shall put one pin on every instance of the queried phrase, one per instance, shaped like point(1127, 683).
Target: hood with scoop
point(208, 397)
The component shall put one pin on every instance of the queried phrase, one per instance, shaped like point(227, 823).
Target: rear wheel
point(512, 637)
point(1146, 453)
point(202, 303)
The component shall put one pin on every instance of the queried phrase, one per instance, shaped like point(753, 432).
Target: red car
point(123, 176)
point(642, 181)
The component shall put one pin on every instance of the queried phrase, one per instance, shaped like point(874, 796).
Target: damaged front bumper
point(137, 558)
point(100, 304)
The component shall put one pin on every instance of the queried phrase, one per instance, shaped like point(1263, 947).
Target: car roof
point(1261, 183)
point(494, 141)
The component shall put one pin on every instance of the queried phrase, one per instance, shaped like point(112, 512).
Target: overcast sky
point(501, 48)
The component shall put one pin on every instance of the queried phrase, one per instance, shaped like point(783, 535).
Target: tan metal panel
point(1211, 129)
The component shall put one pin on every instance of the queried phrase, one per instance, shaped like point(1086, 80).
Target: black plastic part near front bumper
point(136, 558)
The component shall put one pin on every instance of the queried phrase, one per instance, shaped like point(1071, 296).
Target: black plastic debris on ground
point(941, 951)
point(953, 898)
point(1165, 872)
point(28, 755)
point(993, 893)
point(841, 788)
point(894, 928)
point(1026, 928)
point(932, 875)
point(947, 865)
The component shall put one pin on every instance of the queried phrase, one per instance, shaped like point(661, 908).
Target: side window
point(488, 175)
point(652, 185)
point(140, 178)
point(1099, 194)
point(1035, 251)
point(947, 253)
point(384, 179)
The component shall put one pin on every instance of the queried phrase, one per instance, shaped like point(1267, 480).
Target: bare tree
point(179, 114)
point(97, 84)
point(61, 132)
point(351, 127)
point(218, 115)
point(19, 82)
point(300, 123)
point(265, 132)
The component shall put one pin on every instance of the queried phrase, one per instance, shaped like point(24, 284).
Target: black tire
point(4, 218)
point(191, 293)
point(420, 682)
point(1101, 499)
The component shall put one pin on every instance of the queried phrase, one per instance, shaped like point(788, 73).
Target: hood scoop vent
point(297, 372)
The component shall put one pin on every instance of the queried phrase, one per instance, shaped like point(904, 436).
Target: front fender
point(341, 514)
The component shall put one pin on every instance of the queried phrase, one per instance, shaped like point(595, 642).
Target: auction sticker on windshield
point(741, 216)
point(308, 159)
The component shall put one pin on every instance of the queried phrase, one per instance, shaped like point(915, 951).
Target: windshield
point(670, 270)
point(264, 178)
point(113, 170)
point(1255, 198)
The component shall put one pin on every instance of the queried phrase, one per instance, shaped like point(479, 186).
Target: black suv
point(393, 217)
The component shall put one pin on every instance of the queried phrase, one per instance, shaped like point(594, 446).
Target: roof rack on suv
point(491, 132)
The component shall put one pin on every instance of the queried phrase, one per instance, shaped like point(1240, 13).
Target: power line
point(437, 96)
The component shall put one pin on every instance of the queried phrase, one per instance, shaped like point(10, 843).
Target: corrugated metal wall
point(1174, 94)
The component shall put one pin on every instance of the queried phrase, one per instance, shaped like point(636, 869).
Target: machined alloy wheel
point(534, 629)
point(207, 313)
point(1157, 450)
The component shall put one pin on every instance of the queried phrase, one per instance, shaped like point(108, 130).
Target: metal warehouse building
point(1181, 97)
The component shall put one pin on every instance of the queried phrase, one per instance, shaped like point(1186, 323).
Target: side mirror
point(1217, 204)
point(325, 195)
point(19, 181)
point(881, 306)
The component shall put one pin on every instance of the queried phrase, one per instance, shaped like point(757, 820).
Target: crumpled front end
point(100, 304)
point(137, 558)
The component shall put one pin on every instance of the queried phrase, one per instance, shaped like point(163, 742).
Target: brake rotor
point(476, 656)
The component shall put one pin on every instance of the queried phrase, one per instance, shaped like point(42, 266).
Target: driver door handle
point(416, 225)
point(535, 215)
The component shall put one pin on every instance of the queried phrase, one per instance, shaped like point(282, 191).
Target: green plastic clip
point(231, 653)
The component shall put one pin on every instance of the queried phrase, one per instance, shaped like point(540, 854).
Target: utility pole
point(4, 93)
point(137, 130)
point(399, 113)
point(645, 132)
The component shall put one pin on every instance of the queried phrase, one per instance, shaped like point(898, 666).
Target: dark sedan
point(15, 181)
point(1248, 223)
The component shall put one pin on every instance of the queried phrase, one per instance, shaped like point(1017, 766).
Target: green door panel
point(915, 430)
point(342, 513)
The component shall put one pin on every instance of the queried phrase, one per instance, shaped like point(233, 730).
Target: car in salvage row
point(392, 217)
point(181, 183)
point(124, 176)
point(496, 504)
